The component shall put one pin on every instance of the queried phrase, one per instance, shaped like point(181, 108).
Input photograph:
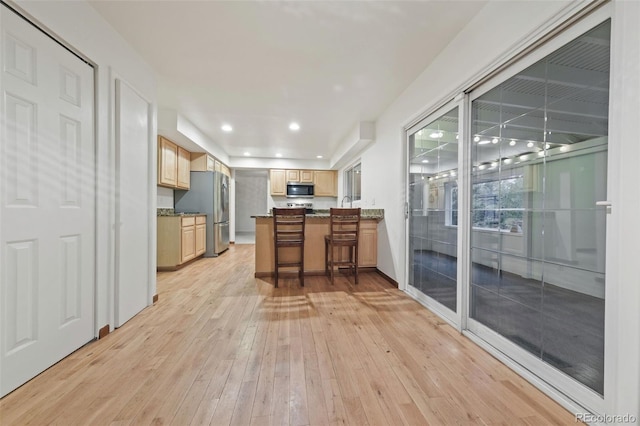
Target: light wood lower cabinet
point(188, 239)
point(180, 239)
point(201, 235)
point(315, 230)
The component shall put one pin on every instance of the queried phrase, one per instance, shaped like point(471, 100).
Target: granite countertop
point(171, 212)
point(373, 214)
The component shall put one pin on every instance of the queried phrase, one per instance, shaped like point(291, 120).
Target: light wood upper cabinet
point(167, 163)
point(184, 168)
point(222, 169)
point(293, 176)
point(326, 183)
point(306, 176)
point(202, 162)
point(278, 182)
point(174, 165)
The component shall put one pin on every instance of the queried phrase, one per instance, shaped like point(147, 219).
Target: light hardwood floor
point(221, 347)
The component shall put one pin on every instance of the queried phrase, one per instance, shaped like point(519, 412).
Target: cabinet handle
point(603, 203)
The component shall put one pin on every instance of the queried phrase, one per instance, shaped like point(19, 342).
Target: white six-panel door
point(47, 197)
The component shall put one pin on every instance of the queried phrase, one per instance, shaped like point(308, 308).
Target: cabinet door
point(293, 176)
point(278, 182)
point(326, 183)
point(201, 239)
point(188, 240)
point(184, 168)
point(167, 163)
point(306, 176)
point(368, 244)
point(211, 164)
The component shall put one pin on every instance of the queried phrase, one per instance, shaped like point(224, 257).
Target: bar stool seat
point(344, 229)
point(288, 231)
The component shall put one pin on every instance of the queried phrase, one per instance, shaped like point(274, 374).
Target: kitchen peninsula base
point(315, 230)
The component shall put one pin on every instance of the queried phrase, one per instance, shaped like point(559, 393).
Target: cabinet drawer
point(188, 221)
point(200, 220)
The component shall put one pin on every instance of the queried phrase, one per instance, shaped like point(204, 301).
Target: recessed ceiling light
point(318, 156)
point(278, 155)
point(512, 143)
point(226, 128)
point(530, 144)
point(547, 146)
point(247, 154)
point(436, 135)
point(476, 139)
point(495, 140)
point(425, 161)
point(294, 126)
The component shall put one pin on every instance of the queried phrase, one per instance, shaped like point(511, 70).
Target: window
point(352, 178)
point(497, 204)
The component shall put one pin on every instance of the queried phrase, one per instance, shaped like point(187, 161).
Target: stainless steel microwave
point(299, 190)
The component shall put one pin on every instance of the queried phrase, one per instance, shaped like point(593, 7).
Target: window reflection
point(433, 237)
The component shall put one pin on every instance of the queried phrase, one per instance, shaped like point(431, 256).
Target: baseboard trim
point(103, 331)
point(388, 278)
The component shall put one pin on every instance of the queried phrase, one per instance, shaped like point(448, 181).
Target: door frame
point(114, 80)
point(453, 318)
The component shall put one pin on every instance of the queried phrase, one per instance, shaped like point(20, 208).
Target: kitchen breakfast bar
point(316, 227)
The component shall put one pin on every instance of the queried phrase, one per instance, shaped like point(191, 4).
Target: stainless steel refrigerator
point(208, 194)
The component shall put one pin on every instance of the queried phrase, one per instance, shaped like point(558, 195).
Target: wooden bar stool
point(344, 229)
point(288, 231)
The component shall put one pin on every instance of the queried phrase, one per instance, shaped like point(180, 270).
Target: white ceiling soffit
point(259, 65)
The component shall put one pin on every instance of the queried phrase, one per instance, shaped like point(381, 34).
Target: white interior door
point(47, 193)
point(132, 205)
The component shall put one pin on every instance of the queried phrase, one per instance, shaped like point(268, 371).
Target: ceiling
point(260, 65)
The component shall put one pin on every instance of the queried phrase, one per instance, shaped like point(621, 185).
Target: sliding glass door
point(507, 219)
point(433, 211)
point(539, 156)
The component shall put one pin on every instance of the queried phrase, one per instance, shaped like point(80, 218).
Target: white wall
point(165, 198)
point(80, 27)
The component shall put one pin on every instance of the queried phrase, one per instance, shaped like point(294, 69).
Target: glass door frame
point(457, 318)
point(541, 374)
